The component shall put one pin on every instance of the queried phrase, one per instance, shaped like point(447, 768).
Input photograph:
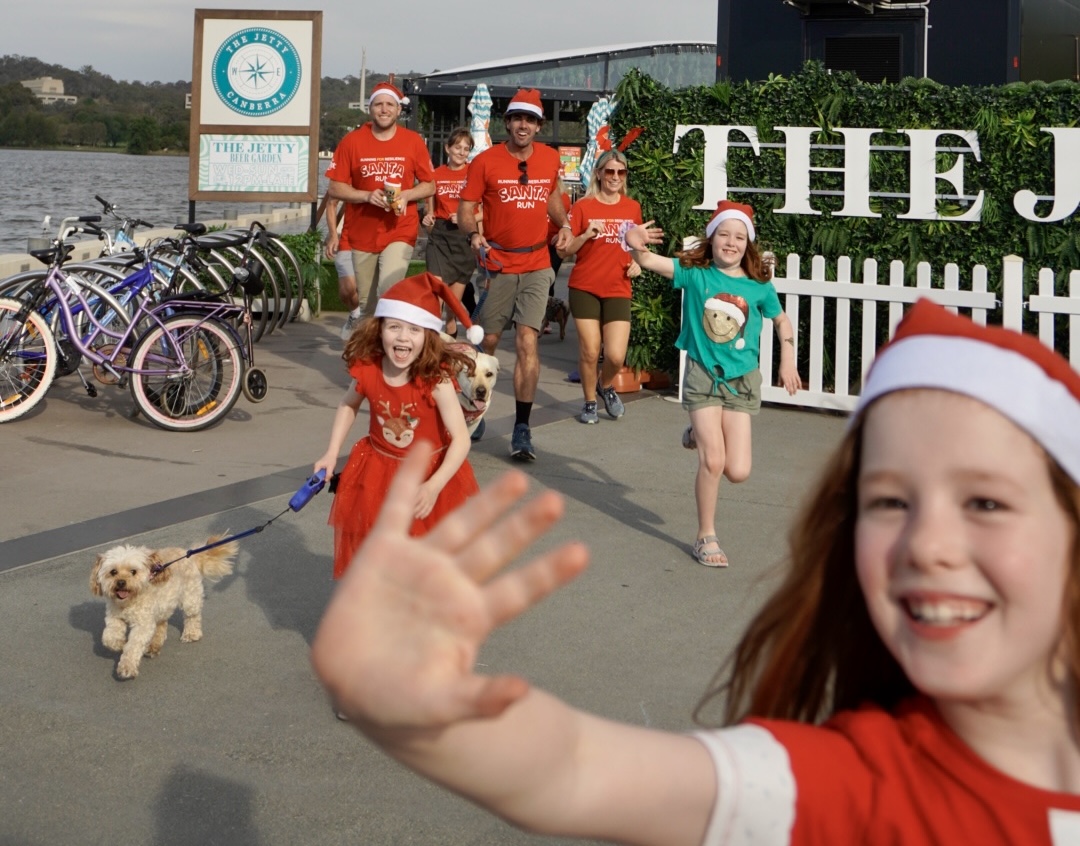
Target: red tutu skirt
point(362, 488)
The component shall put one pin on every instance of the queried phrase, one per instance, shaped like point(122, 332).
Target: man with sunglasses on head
point(517, 183)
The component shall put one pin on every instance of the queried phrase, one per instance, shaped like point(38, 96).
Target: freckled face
point(962, 548)
point(729, 244)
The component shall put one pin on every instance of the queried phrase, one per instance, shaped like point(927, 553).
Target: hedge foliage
point(1015, 154)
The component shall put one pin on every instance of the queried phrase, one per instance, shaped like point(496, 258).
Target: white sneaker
point(350, 324)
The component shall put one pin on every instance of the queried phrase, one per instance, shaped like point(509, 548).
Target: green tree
point(143, 136)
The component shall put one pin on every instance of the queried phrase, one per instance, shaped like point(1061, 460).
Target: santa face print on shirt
point(724, 319)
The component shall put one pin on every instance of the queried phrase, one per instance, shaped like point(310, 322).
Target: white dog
point(474, 392)
point(143, 596)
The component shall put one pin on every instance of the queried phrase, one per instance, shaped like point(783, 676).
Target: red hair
point(435, 362)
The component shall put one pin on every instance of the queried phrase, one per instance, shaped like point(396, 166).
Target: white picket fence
point(886, 300)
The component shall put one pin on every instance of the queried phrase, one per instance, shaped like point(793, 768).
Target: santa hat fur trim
point(418, 300)
point(387, 89)
point(1015, 374)
point(727, 209)
point(526, 100)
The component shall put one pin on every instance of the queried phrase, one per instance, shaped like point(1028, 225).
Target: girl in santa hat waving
point(913, 679)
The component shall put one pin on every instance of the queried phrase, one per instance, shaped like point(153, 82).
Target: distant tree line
point(138, 117)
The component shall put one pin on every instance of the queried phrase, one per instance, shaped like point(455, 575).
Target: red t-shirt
point(448, 184)
point(600, 267)
point(873, 777)
point(515, 215)
point(364, 162)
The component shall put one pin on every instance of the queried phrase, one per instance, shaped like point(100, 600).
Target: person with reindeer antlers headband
point(400, 364)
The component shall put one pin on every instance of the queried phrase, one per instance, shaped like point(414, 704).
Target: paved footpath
point(231, 740)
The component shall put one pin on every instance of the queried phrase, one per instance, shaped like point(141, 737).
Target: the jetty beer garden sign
point(255, 106)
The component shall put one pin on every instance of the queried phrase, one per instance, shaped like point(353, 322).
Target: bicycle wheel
point(187, 373)
point(28, 365)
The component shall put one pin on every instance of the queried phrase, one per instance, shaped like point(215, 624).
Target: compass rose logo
point(256, 71)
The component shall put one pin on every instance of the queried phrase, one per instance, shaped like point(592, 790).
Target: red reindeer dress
point(399, 417)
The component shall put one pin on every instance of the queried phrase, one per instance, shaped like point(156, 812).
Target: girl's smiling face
point(962, 548)
point(729, 245)
point(402, 342)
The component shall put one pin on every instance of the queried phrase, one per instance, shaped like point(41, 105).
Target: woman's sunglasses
point(611, 171)
point(524, 178)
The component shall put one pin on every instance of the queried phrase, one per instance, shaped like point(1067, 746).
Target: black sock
point(523, 410)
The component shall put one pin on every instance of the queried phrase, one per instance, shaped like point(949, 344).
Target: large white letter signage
point(1067, 174)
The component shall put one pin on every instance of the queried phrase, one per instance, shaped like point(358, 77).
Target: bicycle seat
point(195, 229)
point(49, 256)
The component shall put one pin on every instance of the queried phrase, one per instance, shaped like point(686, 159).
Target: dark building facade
point(954, 42)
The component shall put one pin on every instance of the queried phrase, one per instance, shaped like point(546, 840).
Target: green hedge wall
point(1015, 154)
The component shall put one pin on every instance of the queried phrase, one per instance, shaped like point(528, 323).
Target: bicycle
point(185, 372)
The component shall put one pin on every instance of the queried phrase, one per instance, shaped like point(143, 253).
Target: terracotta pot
point(626, 381)
point(658, 380)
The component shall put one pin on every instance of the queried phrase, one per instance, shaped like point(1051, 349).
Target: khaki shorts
point(518, 297)
point(699, 391)
point(343, 263)
point(375, 272)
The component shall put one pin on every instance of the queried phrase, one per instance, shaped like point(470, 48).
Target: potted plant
point(653, 329)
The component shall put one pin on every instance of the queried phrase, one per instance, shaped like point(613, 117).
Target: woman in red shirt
point(600, 281)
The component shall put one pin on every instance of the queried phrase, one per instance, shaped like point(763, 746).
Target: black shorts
point(449, 255)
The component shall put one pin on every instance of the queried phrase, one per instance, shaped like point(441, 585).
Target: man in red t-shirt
point(380, 170)
point(517, 183)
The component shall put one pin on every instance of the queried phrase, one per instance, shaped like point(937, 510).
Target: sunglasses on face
point(611, 171)
point(524, 178)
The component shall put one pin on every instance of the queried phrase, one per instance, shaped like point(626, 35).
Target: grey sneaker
point(350, 323)
point(588, 413)
point(521, 447)
point(612, 404)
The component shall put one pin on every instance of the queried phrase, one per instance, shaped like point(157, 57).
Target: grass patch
point(331, 301)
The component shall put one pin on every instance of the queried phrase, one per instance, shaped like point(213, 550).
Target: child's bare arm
point(339, 430)
point(397, 649)
point(789, 374)
point(457, 450)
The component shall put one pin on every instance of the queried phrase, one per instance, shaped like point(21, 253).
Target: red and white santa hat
point(1015, 374)
point(418, 300)
point(526, 100)
point(725, 210)
point(387, 89)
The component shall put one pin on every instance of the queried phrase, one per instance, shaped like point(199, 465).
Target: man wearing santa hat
point(380, 170)
point(517, 183)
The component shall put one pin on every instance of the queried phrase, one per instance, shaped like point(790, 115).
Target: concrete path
point(231, 740)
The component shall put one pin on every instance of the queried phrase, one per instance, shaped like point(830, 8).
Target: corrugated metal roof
point(583, 52)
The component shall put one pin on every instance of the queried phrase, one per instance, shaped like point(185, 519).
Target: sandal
point(703, 555)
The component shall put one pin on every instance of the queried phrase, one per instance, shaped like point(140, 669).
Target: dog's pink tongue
point(122, 594)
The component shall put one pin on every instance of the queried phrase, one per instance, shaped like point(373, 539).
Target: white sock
point(356, 312)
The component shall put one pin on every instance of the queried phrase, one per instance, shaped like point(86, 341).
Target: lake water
point(35, 183)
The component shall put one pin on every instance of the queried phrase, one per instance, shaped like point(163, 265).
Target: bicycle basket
point(249, 277)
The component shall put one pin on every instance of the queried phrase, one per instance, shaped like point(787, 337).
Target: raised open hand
point(397, 645)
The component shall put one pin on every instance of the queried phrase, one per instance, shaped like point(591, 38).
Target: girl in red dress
point(399, 363)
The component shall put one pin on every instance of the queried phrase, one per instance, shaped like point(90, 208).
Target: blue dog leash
point(299, 499)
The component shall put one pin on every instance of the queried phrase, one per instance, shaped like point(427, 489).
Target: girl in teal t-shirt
point(726, 295)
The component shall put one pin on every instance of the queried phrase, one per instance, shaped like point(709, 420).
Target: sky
point(151, 40)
